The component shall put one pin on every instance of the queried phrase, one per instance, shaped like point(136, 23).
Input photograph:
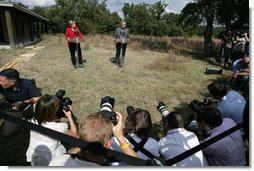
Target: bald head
point(123, 24)
point(245, 60)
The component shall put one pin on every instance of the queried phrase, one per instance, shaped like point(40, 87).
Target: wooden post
point(31, 29)
point(9, 28)
point(38, 29)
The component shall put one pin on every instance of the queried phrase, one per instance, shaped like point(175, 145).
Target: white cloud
point(174, 6)
point(32, 3)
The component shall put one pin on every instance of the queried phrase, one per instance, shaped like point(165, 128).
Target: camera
point(162, 109)
point(240, 34)
point(213, 71)
point(65, 102)
point(130, 110)
point(106, 107)
point(197, 105)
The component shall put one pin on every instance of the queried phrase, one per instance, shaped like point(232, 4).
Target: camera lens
point(130, 110)
point(107, 107)
point(162, 109)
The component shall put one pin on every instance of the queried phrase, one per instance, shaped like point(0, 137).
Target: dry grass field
point(147, 77)
point(175, 77)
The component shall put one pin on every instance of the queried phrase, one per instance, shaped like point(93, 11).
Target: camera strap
point(140, 146)
point(203, 145)
point(75, 142)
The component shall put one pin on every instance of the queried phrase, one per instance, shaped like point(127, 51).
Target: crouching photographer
point(97, 128)
point(197, 106)
point(19, 97)
point(177, 139)
point(107, 108)
point(41, 147)
point(138, 127)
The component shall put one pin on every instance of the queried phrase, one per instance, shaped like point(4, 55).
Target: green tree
point(91, 16)
point(145, 19)
point(230, 13)
point(233, 14)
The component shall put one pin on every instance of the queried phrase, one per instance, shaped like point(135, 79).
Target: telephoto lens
point(162, 109)
point(107, 106)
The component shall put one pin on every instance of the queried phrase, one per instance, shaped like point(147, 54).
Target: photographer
point(73, 36)
point(41, 147)
point(227, 49)
point(178, 140)
point(241, 73)
point(138, 125)
point(240, 43)
point(230, 103)
point(20, 95)
point(228, 151)
point(121, 38)
point(96, 128)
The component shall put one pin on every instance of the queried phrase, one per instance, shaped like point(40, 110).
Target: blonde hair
point(71, 22)
point(96, 128)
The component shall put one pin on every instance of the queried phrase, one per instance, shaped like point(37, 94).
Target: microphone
point(76, 31)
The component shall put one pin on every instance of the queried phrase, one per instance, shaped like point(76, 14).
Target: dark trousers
point(10, 128)
point(241, 83)
point(74, 47)
point(119, 47)
point(226, 55)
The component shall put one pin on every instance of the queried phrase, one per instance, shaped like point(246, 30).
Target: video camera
point(65, 102)
point(162, 109)
point(106, 107)
point(213, 71)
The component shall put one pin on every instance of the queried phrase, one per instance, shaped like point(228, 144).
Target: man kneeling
point(96, 128)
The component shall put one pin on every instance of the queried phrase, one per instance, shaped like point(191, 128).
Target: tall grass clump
point(167, 44)
point(151, 43)
point(171, 62)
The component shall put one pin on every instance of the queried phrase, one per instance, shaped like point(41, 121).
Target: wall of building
point(27, 29)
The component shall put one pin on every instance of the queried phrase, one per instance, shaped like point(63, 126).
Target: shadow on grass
point(199, 56)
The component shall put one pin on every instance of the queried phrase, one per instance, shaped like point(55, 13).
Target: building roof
point(20, 8)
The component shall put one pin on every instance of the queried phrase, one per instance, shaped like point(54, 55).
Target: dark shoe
point(75, 66)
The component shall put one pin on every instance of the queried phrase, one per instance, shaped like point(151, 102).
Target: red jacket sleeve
point(68, 33)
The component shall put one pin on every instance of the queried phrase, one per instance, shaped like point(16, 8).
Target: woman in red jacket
point(73, 36)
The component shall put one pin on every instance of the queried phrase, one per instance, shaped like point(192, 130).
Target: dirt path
point(20, 60)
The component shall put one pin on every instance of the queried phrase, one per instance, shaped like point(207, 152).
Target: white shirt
point(42, 148)
point(178, 141)
point(67, 160)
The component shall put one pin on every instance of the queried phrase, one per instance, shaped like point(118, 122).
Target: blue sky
point(116, 5)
